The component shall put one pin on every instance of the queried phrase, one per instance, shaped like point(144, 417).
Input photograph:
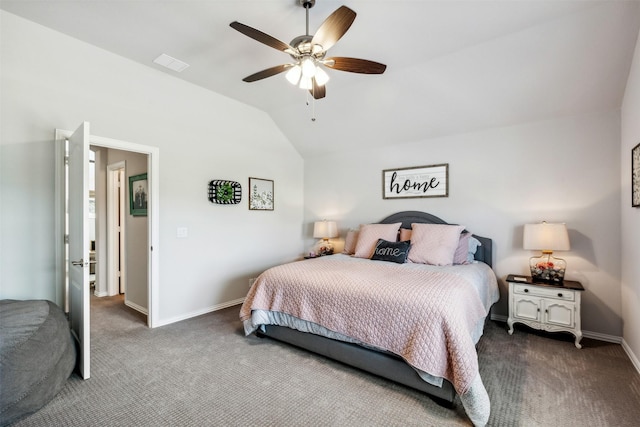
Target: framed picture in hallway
point(635, 176)
point(138, 195)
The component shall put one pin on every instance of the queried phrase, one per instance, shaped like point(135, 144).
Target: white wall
point(631, 216)
point(50, 81)
point(564, 170)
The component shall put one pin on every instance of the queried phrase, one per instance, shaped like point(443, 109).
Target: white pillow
point(370, 233)
point(434, 244)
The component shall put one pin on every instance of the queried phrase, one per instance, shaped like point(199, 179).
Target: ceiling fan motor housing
point(305, 48)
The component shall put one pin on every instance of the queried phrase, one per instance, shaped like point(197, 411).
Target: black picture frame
point(261, 195)
point(138, 194)
point(635, 176)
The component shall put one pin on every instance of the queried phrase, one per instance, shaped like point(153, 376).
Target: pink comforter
point(425, 316)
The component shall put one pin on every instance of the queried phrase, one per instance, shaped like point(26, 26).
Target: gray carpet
point(204, 372)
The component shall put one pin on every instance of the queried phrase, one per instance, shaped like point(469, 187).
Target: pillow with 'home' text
point(391, 251)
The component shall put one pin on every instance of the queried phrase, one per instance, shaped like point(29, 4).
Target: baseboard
point(632, 356)
point(136, 307)
point(199, 312)
point(499, 317)
point(586, 334)
point(100, 294)
point(602, 337)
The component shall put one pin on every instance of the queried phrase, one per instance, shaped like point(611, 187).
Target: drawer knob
point(526, 290)
point(560, 294)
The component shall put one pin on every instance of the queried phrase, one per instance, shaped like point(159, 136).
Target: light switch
point(182, 233)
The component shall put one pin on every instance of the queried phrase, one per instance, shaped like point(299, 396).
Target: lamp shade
point(546, 237)
point(325, 229)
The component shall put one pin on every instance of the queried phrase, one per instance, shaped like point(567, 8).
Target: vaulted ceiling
point(452, 66)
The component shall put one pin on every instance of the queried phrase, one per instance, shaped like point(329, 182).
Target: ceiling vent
point(171, 63)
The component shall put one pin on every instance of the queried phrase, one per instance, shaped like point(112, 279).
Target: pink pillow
point(434, 244)
point(370, 233)
point(460, 257)
point(350, 242)
point(405, 234)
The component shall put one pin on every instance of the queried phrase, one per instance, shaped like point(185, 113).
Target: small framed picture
point(138, 195)
point(635, 176)
point(260, 194)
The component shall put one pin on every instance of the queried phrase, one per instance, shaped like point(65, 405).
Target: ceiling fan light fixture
point(293, 75)
point(308, 52)
point(308, 67)
point(306, 82)
point(321, 76)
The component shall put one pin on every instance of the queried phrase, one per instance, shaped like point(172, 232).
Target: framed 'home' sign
point(416, 181)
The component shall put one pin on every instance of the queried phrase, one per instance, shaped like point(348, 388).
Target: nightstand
point(545, 306)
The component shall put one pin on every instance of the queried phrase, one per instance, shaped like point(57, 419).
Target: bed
point(37, 356)
point(349, 307)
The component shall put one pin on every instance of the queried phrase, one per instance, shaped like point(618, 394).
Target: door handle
point(79, 263)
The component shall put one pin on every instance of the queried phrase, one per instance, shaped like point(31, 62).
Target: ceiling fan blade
point(267, 73)
point(260, 36)
point(318, 91)
point(355, 65)
point(334, 27)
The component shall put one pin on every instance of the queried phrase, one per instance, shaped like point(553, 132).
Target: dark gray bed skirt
point(385, 365)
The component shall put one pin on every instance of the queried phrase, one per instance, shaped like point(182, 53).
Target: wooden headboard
point(484, 252)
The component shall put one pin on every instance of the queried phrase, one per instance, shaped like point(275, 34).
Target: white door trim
point(153, 214)
point(115, 247)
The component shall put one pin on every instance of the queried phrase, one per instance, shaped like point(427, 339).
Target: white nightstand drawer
point(557, 293)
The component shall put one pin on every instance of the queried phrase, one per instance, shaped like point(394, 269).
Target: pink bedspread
point(424, 315)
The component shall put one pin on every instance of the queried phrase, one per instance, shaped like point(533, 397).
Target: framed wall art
point(635, 176)
point(260, 194)
point(416, 181)
point(138, 195)
point(224, 192)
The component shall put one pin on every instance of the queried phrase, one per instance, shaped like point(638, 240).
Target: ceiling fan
point(309, 51)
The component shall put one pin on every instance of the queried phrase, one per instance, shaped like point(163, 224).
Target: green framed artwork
point(224, 192)
point(138, 194)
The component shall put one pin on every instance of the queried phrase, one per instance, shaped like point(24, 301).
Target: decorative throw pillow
point(370, 233)
point(434, 243)
point(391, 251)
point(461, 255)
point(473, 248)
point(350, 242)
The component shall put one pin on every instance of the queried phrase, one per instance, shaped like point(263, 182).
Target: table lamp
point(546, 237)
point(324, 230)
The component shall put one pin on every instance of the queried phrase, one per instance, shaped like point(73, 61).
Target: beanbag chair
point(37, 356)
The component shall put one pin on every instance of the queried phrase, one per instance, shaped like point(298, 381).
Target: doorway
point(149, 245)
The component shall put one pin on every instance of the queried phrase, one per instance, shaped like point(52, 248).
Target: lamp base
point(547, 268)
point(323, 247)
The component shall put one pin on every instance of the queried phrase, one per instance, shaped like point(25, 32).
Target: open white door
point(79, 244)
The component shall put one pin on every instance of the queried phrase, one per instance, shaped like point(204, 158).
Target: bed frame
point(383, 364)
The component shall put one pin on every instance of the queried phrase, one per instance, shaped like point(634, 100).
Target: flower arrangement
point(548, 270)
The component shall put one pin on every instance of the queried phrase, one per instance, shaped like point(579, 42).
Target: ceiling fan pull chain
point(313, 102)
